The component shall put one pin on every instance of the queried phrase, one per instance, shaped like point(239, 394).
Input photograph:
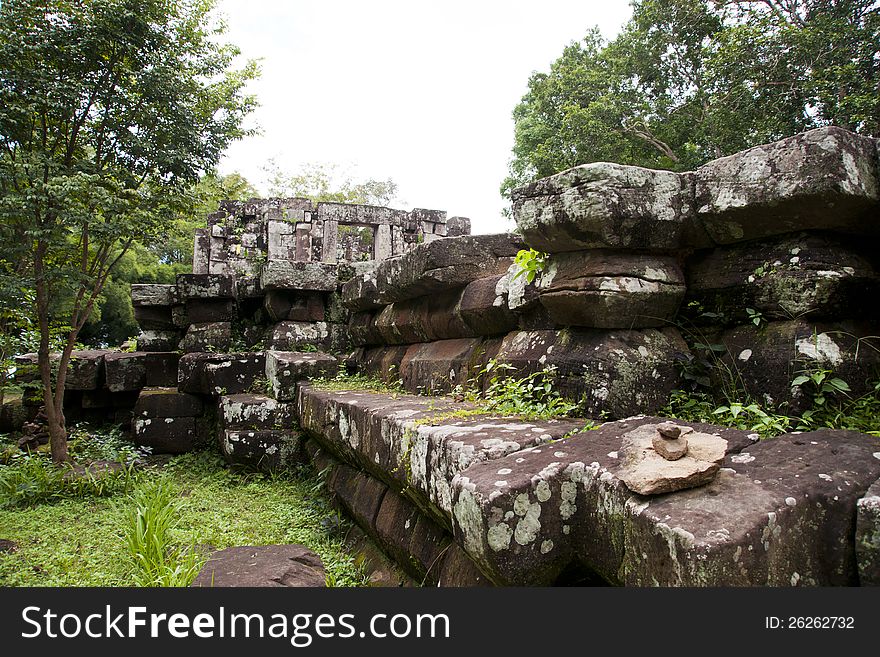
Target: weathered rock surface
point(207, 337)
point(254, 411)
point(824, 179)
point(483, 306)
point(604, 206)
point(284, 369)
point(220, 374)
point(264, 449)
point(165, 435)
point(125, 371)
point(202, 311)
point(415, 445)
point(605, 289)
point(621, 373)
point(647, 471)
point(282, 274)
point(155, 318)
point(205, 286)
point(444, 264)
point(803, 275)
point(360, 292)
point(153, 294)
point(282, 305)
point(780, 514)
point(167, 402)
point(437, 367)
point(769, 358)
point(151, 340)
point(290, 336)
point(868, 534)
point(264, 566)
point(435, 317)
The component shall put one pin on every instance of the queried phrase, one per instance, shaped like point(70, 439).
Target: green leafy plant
point(532, 396)
point(530, 263)
point(756, 317)
point(821, 385)
point(151, 519)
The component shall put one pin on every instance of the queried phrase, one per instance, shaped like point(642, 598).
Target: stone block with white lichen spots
point(823, 179)
point(285, 369)
point(611, 289)
point(779, 513)
point(604, 206)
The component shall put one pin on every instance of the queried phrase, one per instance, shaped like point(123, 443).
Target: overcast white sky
point(420, 92)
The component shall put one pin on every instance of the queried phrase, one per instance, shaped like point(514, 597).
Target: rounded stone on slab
point(671, 449)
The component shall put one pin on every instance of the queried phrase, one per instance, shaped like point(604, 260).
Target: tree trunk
point(53, 401)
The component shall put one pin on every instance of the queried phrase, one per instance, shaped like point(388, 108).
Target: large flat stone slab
point(153, 294)
point(286, 275)
point(205, 286)
point(608, 289)
point(263, 566)
point(220, 374)
point(416, 445)
point(604, 206)
point(823, 179)
point(780, 513)
point(444, 264)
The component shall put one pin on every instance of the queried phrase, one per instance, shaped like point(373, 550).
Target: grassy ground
point(79, 541)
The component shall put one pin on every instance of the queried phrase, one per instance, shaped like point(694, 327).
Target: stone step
point(531, 501)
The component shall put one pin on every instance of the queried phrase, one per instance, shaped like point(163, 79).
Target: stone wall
point(766, 260)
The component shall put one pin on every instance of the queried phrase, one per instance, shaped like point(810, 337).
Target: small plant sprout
point(530, 263)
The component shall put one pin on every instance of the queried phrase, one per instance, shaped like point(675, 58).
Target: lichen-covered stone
point(802, 275)
point(262, 566)
point(360, 292)
point(619, 373)
point(153, 294)
point(605, 289)
point(780, 513)
point(207, 337)
point(605, 206)
point(125, 371)
point(289, 336)
point(167, 402)
point(205, 286)
point(254, 411)
point(868, 534)
point(151, 340)
point(416, 444)
point(264, 449)
point(284, 369)
point(165, 435)
point(220, 374)
point(823, 179)
point(444, 264)
point(768, 358)
point(315, 276)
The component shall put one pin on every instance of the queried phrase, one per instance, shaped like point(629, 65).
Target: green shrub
point(150, 520)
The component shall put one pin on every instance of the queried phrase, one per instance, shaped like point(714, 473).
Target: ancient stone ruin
point(284, 292)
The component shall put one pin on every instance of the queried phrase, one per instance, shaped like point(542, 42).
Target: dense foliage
point(687, 81)
point(109, 111)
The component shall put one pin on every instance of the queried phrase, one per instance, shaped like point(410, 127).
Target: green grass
point(82, 541)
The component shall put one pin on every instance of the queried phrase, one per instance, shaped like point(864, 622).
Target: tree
point(328, 182)
point(109, 109)
point(687, 81)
